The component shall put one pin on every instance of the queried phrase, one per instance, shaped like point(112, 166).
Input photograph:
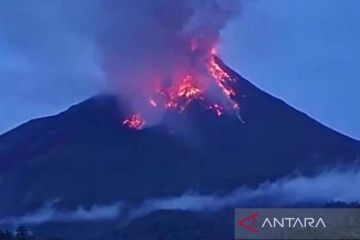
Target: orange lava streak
point(180, 95)
point(221, 77)
point(217, 72)
point(135, 122)
point(188, 89)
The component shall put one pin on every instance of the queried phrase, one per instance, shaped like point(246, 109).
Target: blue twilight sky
point(305, 52)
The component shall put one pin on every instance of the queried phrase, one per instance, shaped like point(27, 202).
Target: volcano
point(86, 156)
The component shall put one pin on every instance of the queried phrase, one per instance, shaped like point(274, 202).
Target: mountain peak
point(87, 149)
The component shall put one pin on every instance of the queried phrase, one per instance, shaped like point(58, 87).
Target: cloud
point(48, 213)
point(330, 186)
point(327, 187)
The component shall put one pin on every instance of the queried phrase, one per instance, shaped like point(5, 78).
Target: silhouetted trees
point(21, 233)
point(6, 235)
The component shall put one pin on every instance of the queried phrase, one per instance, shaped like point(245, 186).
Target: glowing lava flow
point(188, 89)
point(181, 95)
point(221, 77)
point(135, 122)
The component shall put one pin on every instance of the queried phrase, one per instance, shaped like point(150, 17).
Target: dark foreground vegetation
point(21, 233)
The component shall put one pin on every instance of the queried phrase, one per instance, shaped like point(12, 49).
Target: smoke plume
point(148, 43)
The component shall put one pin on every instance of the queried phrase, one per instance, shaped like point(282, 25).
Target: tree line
point(21, 233)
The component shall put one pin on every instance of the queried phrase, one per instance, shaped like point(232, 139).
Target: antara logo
point(249, 223)
point(251, 218)
point(290, 222)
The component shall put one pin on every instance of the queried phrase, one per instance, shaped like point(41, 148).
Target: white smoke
point(48, 213)
point(330, 186)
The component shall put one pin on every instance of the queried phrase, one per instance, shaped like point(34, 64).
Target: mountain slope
point(85, 156)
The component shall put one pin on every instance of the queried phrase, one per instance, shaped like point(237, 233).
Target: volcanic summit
point(93, 154)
